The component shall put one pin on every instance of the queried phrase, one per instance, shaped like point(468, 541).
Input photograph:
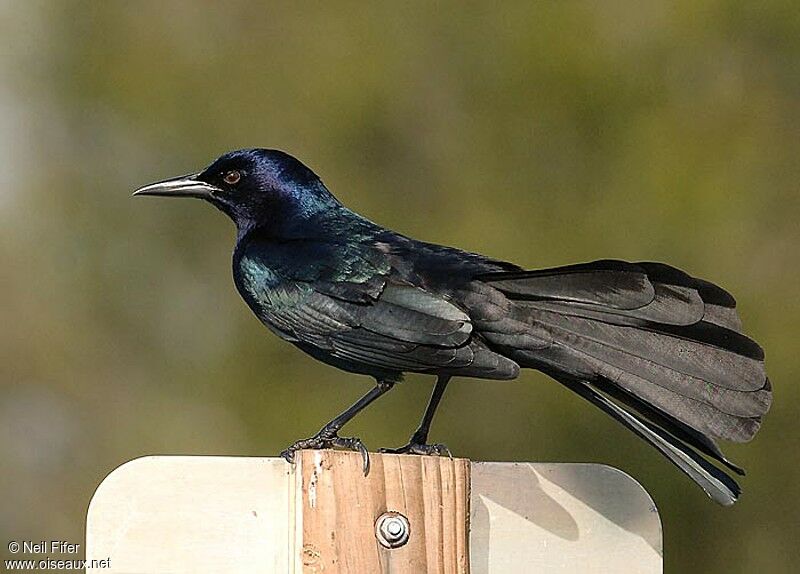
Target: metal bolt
point(392, 529)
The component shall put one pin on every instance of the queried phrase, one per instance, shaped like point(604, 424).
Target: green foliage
point(543, 133)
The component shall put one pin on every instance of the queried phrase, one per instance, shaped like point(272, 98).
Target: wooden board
point(340, 507)
point(239, 515)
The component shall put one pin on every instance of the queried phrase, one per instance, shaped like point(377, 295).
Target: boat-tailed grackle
point(660, 351)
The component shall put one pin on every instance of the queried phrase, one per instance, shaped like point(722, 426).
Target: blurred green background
point(544, 133)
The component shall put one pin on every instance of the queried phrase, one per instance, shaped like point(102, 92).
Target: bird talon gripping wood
point(660, 351)
point(333, 441)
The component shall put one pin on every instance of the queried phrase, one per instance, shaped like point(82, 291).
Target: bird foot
point(325, 439)
point(420, 448)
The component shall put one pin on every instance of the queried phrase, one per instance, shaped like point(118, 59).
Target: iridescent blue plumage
point(666, 347)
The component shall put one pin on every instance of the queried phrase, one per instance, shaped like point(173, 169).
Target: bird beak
point(183, 186)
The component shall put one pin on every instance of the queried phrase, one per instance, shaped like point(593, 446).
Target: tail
point(660, 351)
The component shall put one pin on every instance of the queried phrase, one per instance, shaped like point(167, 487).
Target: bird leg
point(419, 440)
point(328, 436)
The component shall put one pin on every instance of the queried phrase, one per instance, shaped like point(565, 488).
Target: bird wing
point(407, 328)
point(347, 300)
point(400, 328)
point(377, 306)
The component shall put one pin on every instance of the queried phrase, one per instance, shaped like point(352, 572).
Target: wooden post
point(341, 509)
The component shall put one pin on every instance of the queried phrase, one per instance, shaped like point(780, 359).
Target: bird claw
point(353, 443)
point(421, 449)
point(325, 440)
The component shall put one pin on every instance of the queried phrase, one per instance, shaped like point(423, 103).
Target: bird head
point(252, 186)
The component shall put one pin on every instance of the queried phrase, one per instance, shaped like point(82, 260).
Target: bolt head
point(392, 529)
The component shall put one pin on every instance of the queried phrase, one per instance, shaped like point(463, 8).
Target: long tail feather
point(718, 486)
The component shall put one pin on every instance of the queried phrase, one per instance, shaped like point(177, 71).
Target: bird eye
point(232, 177)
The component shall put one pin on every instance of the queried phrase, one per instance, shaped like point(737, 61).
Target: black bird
point(660, 351)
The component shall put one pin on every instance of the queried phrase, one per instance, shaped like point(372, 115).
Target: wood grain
point(339, 507)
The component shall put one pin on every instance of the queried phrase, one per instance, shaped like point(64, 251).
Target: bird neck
point(334, 223)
